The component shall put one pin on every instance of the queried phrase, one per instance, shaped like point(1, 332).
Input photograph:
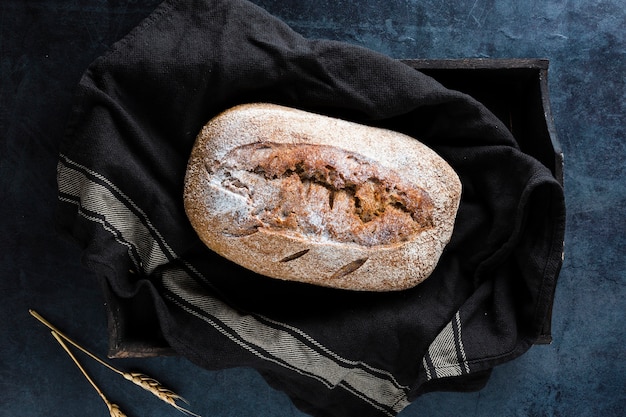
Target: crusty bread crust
point(303, 197)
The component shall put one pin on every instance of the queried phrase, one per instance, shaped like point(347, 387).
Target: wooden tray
point(515, 90)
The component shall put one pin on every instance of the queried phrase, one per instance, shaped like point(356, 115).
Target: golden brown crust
point(304, 197)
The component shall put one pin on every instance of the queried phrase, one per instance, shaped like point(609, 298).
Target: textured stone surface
point(45, 46)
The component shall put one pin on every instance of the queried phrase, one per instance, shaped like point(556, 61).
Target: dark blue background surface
point(46, 45)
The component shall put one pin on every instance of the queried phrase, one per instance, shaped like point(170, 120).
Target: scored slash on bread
point(295, 256)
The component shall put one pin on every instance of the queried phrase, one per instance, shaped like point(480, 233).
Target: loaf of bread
point(304, 197)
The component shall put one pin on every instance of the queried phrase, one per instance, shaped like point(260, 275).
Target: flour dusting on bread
point(305, 197)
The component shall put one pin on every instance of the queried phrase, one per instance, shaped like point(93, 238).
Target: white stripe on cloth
point(105, 199)
point(446, 353)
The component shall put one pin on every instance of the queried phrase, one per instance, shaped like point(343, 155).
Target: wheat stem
point(114, 409)
point(141, 380)
point(73, 343)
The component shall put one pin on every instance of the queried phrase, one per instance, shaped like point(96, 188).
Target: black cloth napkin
point(137, 111)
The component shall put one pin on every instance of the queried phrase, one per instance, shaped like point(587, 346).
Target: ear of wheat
point(115, 411)
point(155, 387)
point(147, 383)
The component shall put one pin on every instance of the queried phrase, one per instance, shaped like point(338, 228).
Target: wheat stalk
point(73, 343)
point(114, 409)
point(147, 383)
